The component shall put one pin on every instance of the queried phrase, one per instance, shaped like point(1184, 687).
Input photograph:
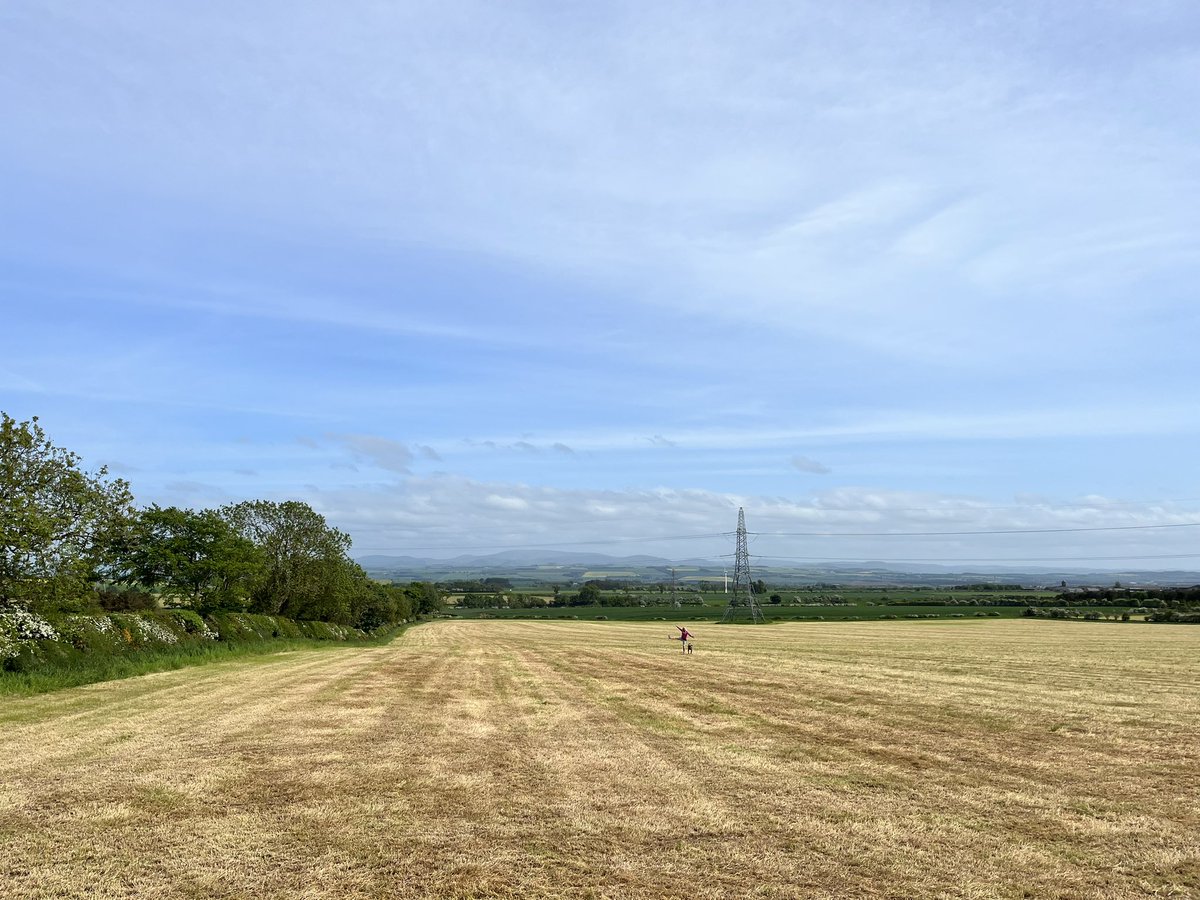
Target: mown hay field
point(578, 759)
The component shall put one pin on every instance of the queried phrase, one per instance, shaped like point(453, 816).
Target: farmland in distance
point(990, 758)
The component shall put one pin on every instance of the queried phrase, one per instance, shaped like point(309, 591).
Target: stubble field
point(571, 759)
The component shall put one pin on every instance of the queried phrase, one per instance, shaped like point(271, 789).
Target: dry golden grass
point(518, 759)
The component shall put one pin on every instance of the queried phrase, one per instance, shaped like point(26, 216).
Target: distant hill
point(377, 561)
point(568, 566)
point(517, 558)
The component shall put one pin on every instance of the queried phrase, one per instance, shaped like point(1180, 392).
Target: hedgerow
point(29, 642)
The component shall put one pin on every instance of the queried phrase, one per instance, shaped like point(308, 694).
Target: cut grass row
point(553, 759)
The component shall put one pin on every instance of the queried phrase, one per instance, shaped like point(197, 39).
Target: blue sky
point(472, 275)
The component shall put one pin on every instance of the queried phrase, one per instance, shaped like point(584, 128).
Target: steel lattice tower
point(742, 598)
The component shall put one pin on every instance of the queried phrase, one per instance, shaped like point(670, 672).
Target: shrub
point(258, 627)
point(20, 631)
point(116, 599)
point(91, 634)
point(282, 627)
point(146, 630)
point(242, 626)
point(326, 631)
point(192, 623)
point(1171, 615)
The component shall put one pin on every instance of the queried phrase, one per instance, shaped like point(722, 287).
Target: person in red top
point(684, 634)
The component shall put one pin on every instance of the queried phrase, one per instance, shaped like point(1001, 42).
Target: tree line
point(72, 541)
point(1179, 598)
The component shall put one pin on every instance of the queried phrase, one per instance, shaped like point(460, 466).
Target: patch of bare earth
point(518, 759)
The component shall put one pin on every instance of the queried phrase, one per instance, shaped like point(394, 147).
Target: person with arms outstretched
point(684, 636)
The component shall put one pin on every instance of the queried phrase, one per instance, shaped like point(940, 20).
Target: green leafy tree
point(341, 593)
point(306, 573)
point(197, 557)
point(589, 594)
point(386, 604)
point(426, 598)
point(57, 522)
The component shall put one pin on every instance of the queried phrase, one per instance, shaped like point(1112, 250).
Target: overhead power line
point(973, 559)
point(980, 531)
point(829, 534)
point(967, 507)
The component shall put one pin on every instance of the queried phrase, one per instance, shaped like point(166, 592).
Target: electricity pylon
point(743, 588)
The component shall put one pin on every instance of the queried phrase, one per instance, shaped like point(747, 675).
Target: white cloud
point(446, 515)
point(496, 501)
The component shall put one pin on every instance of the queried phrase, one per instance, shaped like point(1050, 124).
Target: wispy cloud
point(804, 464)
point(621, 246)
point(382, 452)
point(1114, 420)
point(679, 192)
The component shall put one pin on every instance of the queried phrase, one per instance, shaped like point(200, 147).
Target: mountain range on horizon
point(497, 563)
